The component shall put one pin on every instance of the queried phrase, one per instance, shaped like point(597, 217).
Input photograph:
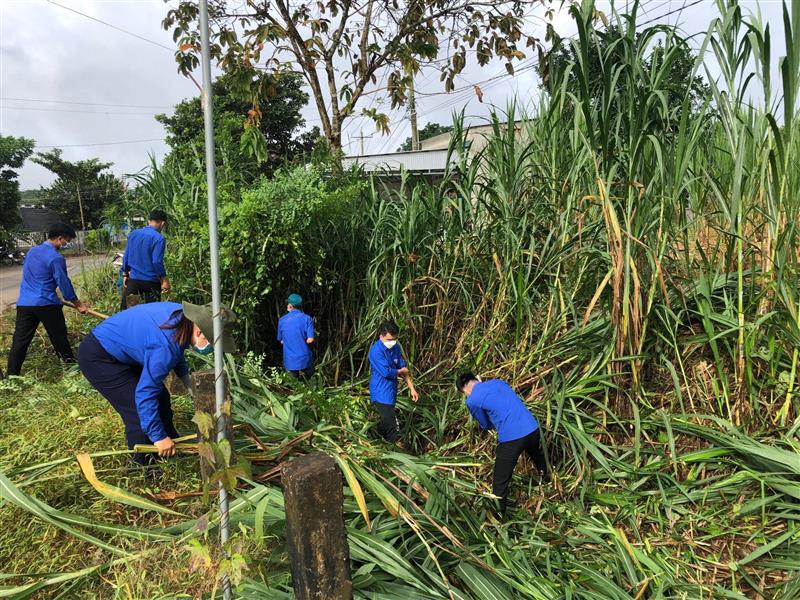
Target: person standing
point(128, 356)
point(495, 406)
point(296, 334)
point(44, 270)
point(143, 269)
point(386, 366)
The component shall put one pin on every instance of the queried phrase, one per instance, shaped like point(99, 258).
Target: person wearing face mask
point(296, 334)
point(44, 271)
point(386, 366)
point(129, 355)
point(143, 272)
point(495, 406)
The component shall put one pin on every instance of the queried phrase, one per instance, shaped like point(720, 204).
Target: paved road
point(10, 276)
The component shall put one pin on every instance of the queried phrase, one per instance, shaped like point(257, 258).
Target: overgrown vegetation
point(629, 263)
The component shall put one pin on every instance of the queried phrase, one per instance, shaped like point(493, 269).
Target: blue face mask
point(205, 350)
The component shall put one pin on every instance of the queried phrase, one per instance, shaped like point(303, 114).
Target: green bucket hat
point(202, 316)
point(295, 300)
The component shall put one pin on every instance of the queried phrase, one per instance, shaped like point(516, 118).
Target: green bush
point(98, 239)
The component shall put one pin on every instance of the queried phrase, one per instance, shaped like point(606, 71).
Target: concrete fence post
point(315, 532)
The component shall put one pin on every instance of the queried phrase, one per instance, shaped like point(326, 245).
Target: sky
point(71, 82)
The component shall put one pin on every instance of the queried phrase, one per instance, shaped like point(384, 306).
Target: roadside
point(10, 276)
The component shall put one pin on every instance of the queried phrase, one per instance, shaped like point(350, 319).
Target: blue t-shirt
point(384, 364)
point(44, 270)
point(495, 406)
point(294, 328)
point(135, 337)
point(144, 255)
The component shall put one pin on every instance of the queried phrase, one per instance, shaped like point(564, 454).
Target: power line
point(71, 110)
point(40, 100)
point(683, 7)
point(100, 144)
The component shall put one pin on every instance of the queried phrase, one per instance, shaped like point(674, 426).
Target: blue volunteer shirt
point(44, 271)
point(495, 406)
point(135, 337)
point(384, 364)
point(294, 328)
point(144, 255)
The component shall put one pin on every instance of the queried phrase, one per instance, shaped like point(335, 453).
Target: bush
point(98, 239)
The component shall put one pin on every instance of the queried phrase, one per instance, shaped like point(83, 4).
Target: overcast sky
point(74, 83)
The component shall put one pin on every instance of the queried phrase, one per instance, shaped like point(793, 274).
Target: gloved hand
point(187, 381)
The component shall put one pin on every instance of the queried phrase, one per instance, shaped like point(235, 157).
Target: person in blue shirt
point(296, 334)
point(143, 269)
point(44, 270)
point(386, 366)
point(495, 406)
point(129, 355)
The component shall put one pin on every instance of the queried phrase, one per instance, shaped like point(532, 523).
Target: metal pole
point(211, 179)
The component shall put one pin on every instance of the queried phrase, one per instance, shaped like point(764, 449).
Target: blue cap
point(294, 300)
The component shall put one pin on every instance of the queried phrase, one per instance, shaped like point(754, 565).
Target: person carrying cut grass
point(296, 334)
point(129, 355)
point(386, 366)
point(495, 406)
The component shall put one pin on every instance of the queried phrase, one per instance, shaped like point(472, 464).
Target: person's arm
point(126, 267)
point(280, 332)
point(157, 364)
point(479, 414)
point(310, 331)
point(380, 364)
point(59, 267)
point(158, 263)
point(405, 373)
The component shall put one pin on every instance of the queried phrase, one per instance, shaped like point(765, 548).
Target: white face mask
point(390, 343)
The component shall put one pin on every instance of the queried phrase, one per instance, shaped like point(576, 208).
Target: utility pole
point(361, 138)
point(216, 293)
point(80, 205)
point(412, 115)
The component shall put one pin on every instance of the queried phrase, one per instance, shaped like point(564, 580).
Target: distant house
point(430, 161)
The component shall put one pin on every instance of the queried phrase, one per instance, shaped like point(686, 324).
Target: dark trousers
point(147, 291)
point(28, 319)
point(306, 373)
point(506, 458)
point(117, 382)
point(388, 427)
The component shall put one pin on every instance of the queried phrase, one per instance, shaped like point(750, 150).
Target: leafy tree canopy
point(251, 147)
point(83, 189)
point(340, 46)
point(13, 153)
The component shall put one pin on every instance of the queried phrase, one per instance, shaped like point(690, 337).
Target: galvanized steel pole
point(216, 295)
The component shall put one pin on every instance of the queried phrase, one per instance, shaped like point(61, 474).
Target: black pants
point(506, 458)
point(148, 291)
point(306, 373)
point(28, 319)
point(117, 382)
point(388, 427)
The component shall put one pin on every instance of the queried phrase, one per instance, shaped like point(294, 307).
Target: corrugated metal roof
point(420, 161)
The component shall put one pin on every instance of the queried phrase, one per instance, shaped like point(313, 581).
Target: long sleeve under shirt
point(384, 364)
point(495, 406)
point(135, 337)
point(144, 255)
point(44, 271)
point(294, 328)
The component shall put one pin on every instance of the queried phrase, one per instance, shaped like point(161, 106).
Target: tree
point(82, 189)
point(340, 46)
point(13, 153)
point(280, 99)
point(430, 130)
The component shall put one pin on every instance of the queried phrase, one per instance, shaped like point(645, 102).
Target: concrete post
point(205, 401)
point(315, 533)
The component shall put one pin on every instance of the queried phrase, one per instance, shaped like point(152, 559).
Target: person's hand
point(166, 447)
point(414, 395)
point(82, 308)
point(309, 341)
point(165, 286)
point(402, 372)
